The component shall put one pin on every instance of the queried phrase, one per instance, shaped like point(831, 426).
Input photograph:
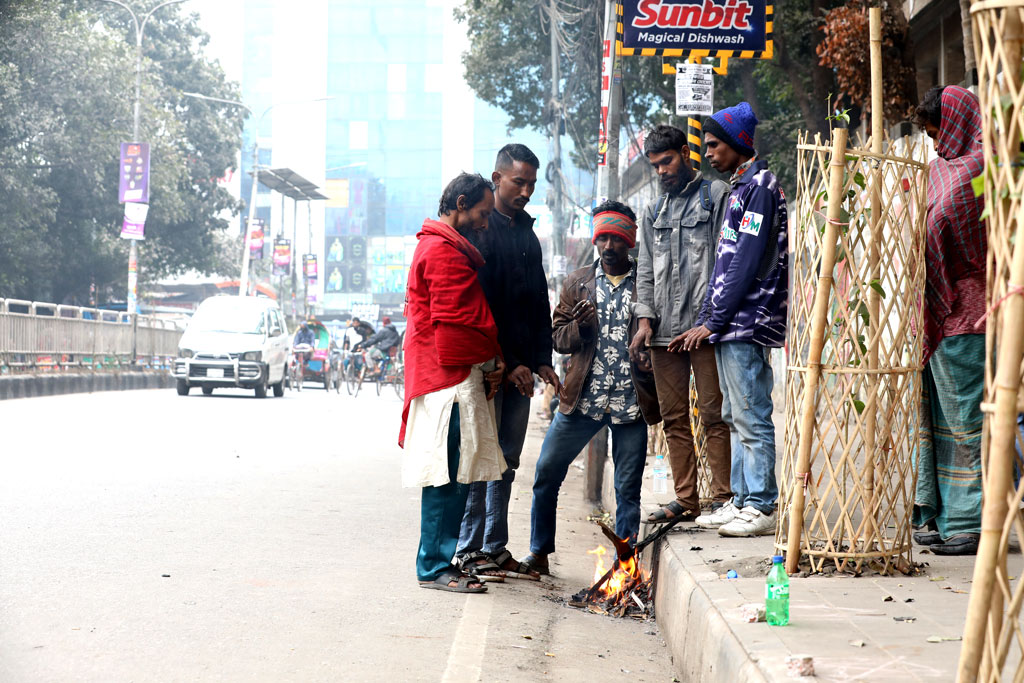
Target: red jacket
point(450, 327)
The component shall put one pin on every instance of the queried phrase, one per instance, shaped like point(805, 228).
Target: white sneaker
point(750, 522)
point(717, 518)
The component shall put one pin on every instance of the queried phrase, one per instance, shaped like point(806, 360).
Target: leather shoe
point(960, 544)
point(927, 538)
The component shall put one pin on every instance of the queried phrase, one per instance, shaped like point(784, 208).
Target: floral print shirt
point(608, 388)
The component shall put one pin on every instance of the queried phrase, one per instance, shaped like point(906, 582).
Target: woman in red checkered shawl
point(948, 498)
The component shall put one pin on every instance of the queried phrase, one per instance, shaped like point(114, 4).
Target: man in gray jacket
point(678, 234)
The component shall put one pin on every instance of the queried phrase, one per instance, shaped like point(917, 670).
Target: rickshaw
point(317, 366)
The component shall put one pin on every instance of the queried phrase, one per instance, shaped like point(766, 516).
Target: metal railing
point(38, 336)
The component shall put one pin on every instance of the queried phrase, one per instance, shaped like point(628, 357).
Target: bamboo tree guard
point(657, 443)
point(993, 625)
point(854, 373)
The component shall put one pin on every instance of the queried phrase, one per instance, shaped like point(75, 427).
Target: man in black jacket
point(516, 288)
point(379, 343)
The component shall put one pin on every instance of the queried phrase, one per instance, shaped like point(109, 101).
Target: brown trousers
point(672, 377)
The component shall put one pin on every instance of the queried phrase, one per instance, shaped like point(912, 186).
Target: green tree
point(66, 88)
point(508, 65)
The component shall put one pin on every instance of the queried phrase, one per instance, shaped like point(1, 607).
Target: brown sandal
point(670, 513)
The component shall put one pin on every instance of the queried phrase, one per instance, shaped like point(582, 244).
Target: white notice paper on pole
point(694, 89)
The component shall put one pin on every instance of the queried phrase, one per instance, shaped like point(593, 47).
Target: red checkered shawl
point(956, 240)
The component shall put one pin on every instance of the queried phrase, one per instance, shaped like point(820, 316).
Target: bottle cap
point(660, 455)
point(776, 559)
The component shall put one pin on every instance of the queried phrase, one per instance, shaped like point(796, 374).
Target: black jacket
point(516, 289)
point(386, 337)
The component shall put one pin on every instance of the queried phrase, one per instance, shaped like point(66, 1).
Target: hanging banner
point(685, 28)
point(694, 89)
point(133, 185)
point(606, 89)
point(309, 267)
point(134, 225)
point(256, 242)
point(282, 256)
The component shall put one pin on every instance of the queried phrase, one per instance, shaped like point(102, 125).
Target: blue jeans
point(566, 437)
point(485, 524)
point(746, 376)
point(441, 510)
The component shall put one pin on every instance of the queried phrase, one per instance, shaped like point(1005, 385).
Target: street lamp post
point(133, 249)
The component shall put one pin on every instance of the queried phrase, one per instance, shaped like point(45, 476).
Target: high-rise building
point(399, 123)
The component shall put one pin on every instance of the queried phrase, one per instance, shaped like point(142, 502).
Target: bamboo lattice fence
point(993, 647)
point(859, 243)
point(658, 444)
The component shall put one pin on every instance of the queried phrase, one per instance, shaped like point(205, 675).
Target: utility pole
point(558, 261)
point(611, 105)
point(131, 304)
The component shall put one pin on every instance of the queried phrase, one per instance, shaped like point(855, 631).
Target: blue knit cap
point(735, 127)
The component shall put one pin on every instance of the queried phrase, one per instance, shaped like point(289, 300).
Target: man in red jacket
point(448, 426)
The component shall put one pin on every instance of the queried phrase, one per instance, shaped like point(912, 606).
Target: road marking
point(467, 653)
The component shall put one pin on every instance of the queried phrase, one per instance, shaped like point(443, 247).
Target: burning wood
point(626, 588)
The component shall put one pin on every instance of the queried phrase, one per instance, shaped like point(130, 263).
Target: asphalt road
point(150, 537)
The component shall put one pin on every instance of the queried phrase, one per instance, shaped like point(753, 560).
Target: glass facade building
point(388, 74)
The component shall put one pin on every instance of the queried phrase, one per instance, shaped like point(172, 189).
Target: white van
point(234, 341)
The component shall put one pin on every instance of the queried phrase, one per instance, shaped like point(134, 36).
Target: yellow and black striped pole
point(694, 139)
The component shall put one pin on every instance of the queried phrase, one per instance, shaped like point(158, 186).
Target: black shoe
point(960, 544)
point(927, 538)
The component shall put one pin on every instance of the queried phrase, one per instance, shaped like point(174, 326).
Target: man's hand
point(522, 379)
point(548, 374)
point(494, 377)
point(641, 341)
point(691, 339)
point(584, 313)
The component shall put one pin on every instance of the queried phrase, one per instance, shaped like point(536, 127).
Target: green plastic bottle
point(776, 594)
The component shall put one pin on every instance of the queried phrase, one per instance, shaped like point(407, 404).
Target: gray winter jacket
point(677, 256)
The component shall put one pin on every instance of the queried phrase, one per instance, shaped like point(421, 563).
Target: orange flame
point(625, 573)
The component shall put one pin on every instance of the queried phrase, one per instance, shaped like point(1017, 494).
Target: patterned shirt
point(608, 388)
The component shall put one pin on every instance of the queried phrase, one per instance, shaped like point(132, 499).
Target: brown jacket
point(568, 337)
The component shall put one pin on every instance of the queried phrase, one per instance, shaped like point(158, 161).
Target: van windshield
point(221, 318)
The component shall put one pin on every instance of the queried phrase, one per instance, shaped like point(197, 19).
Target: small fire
point(621, 578)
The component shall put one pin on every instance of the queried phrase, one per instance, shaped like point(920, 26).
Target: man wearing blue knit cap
point(744, 316)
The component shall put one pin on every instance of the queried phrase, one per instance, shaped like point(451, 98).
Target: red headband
point(615, 223)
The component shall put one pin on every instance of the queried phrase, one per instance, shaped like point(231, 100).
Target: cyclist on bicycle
point(379, 344)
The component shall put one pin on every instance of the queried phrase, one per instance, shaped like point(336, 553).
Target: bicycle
point(297, 367)
point(392, 372)
point(355, 371)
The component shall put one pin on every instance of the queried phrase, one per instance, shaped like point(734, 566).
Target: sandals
point(534, 564)
point(515, 569)
point(958, 544)
point(670, 513)
point(462, 583)
point(481, 565)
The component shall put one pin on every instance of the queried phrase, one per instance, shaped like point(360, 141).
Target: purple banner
point(134, 173)
point(309, 267)
point(282, 256)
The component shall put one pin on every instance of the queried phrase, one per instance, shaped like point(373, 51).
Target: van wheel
point(261, 389)
point(183, 387)
point(278, 389)
point(207, 391)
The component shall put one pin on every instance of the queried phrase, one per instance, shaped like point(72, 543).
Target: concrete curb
point(703, 646)
point(52, 384)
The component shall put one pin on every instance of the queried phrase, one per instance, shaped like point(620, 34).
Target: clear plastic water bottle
point(660, 483)
point(776, 594)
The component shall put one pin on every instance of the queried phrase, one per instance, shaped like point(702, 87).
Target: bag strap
point(705, 194)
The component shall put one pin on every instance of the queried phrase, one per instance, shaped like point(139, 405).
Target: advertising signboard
point(133, 184)
point(282, 256)
point(134, 225)
point(680, 28)
point(309, 267)
point(694, 90)
point(256, 241)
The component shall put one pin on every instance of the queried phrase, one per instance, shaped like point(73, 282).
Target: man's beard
point(675, 183)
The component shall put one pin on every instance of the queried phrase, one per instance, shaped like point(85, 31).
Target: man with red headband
point(594, 322)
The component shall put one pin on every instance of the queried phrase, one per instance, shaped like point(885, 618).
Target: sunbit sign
point(739, 28)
